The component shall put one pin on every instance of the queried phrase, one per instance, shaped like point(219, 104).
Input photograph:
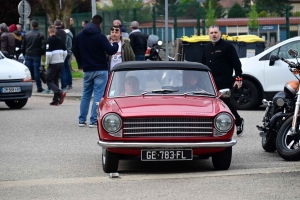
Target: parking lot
point(45, 155)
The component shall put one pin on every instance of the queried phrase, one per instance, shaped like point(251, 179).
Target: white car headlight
point(112, 123)
point(223, 123)
point(27, 73)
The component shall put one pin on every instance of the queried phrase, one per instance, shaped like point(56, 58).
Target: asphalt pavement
point(76, 92)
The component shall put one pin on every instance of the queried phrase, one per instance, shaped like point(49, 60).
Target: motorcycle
point(276, 113)
point(153, 48)
point(288, 137)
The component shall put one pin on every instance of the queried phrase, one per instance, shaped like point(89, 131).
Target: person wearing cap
point(18, 39)
point(117, 22)
point(138, 41)
point(125, 52)
point(33, 46)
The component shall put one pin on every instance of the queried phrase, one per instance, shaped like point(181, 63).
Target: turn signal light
point(296, 71)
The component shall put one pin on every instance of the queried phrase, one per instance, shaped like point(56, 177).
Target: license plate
point(10, 89)
point(167, 154)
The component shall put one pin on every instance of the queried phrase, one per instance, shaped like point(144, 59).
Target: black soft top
point(133, 65)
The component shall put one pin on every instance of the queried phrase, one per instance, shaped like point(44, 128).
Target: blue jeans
point(94, 81)
point(66, 74)
point(34, 63)
point(139, 57)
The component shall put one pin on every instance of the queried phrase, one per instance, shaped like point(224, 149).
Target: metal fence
point(190, 19)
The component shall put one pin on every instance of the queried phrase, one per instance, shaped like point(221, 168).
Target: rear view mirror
point(273, 58)
point(293, 53)
point(225, 93)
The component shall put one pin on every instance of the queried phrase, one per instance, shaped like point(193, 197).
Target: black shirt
point(222, 58)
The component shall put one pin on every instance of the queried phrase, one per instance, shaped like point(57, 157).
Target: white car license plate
point(10, 89)
point(166, 154)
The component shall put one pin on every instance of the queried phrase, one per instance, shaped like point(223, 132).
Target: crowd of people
point(96, 61)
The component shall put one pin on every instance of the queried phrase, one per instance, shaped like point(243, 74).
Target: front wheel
point(110, 161)
point(222, 160)
point(288, 144)
point(16, 104)
point(245, 98)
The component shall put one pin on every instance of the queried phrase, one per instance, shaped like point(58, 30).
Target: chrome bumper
point(166, 145)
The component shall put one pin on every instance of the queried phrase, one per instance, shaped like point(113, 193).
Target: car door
point(277, 75)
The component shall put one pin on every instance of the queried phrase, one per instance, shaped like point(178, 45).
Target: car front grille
point(168, 127)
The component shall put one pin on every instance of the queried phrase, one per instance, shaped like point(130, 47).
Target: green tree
point(210, 15)
point(54, 11)
point(236, 11)
point(219, 10)
point(263, 14)
point(253, 18)
point(273, 6)
point(247, 6)
point(127, 10)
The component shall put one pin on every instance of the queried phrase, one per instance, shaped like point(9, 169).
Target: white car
point(262, 81)
point(15, 83)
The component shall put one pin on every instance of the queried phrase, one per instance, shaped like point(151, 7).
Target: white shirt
point(116, 58)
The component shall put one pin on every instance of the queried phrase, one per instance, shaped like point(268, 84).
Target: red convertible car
point(164, 111)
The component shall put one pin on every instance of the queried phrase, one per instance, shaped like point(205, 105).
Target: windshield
point(163, 81)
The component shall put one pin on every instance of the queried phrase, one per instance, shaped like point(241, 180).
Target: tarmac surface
point(76, 92)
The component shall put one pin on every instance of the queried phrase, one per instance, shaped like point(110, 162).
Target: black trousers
point(53, 75)
point(229, 104)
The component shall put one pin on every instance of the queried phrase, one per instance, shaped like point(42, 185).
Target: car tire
point(110, 161)
point(222, 160)
point(16, 104)
point(268, 145)
point(245, 98)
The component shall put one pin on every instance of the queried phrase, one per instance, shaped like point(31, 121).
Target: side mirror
point(225, 93)
point(273, 59)
point(159, 42)
point(293, 53)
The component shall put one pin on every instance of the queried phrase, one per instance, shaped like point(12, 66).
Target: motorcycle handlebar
point(291, 64)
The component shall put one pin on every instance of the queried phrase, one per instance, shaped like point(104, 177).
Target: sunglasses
point(115, 29)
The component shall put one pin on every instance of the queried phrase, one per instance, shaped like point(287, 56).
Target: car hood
point(11, 69)
point(167, 105)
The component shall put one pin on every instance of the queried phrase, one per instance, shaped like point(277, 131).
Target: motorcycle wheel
point(288, 146)
point(268, 145)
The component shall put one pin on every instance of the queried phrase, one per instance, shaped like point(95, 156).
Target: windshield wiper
point(200, 92)
point(164, 91)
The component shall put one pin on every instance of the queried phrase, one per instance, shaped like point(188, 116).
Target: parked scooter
point(153, 48)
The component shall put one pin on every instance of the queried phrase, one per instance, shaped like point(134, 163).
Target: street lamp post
point(94, 10)
point(166, 29)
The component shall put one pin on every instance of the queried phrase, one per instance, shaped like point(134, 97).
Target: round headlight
point(112, 123)
point(223, 122)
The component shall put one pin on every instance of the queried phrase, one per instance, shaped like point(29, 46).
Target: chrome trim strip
point(165, 145)
point(167, 122)
point(158, 133)
point(174, 127)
